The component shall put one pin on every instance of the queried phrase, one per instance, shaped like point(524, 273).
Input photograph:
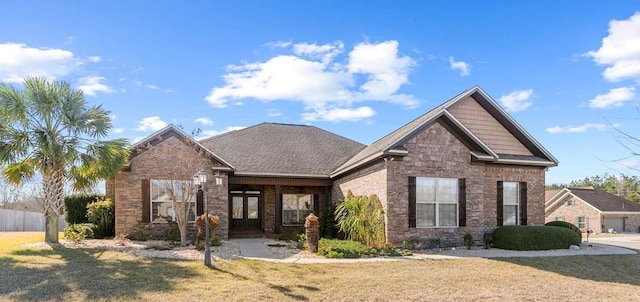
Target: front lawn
point(83, 274)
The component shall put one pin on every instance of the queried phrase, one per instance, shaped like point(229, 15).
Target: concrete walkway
point(256, 249)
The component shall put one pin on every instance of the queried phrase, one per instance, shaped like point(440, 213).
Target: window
point(570, 202)
point(436, 202)
point(511, 203)
point(295, 208)
point(560, 218)
point(161, 205)
point(582, 222)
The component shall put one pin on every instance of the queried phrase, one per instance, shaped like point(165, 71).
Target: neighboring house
point(464, 167)
point(592, 209)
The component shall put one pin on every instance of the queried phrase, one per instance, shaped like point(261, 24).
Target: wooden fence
point(16, 221)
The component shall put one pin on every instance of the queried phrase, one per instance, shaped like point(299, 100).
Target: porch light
point(200, 178)
point(218, 178)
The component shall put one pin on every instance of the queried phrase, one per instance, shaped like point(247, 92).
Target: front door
point(245, 211)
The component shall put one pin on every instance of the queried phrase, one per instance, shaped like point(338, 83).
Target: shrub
point(361, 218)
point(215, 240)
point(487, 240)
point(141, 232)
point(75, 207)
point(534, 238)
point(301, 243)
point(78, 232)
point(102, 214)
point(565, 224)
point(468, 240)
point(333, 248)
point(289, 236)
point(172, 232)
point(328, 227)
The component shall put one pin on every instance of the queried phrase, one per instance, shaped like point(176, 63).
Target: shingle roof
point(604, 201)
point(283, 149)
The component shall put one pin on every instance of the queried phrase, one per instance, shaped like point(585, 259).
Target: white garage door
point(614, 224)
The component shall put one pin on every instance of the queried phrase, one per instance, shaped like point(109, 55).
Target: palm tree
point(48, 128)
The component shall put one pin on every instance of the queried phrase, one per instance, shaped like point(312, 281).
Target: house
point(464, 167)
point(592, 209)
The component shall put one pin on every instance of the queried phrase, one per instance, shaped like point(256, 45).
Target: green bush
point(335, 248)
point(172, 232)
point(78, 232)
point(534, 238)
point(75, 207)
point(468, 240)
point(328, 227)
point(567, 225)
point(141, 232)
point(215, 240)
point(361, 218)
point(102, 214)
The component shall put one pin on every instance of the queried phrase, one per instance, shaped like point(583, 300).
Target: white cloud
point(517, 100)
point(212, 132)
point(153, 123)
point(18, 61)
point(150, 86)
point(616, 97)
point(313, 75)
point(274, 112)
point(620, 50)
point(340, 114)
point(117, 130)
point(579, 129)
point(462, 66)
point(95, 59)
point(91, 85)
point(204, 121)
point(631, 164)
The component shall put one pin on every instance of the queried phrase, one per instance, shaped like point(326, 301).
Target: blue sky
point(567, 71)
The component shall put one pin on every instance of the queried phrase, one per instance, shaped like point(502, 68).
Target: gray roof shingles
point(283, 149)
point(606, 202)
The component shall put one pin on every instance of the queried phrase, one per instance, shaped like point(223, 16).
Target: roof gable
point(536, 155)
point(598, 199)
point(173, 131)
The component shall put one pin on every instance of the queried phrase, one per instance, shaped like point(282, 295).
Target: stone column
point(312, 230)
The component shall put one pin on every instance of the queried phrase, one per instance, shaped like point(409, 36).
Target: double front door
point(245, 211)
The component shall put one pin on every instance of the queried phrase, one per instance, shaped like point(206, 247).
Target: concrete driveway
point(630, 240)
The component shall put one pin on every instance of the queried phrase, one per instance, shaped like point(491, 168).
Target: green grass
point(61, 274)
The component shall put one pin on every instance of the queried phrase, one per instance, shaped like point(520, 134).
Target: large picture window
point(511, 203)
point(436, 202)
point(161, 203)
point(295, 208)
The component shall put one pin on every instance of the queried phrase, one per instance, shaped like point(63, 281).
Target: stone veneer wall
point(533, 176)
point(570, 213)
point(170, 158)
point(436, 152)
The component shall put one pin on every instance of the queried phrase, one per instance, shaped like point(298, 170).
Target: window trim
point(194, 206)
point(584, 222)
point(518, 202)
point(298, 210)
point(437, 203)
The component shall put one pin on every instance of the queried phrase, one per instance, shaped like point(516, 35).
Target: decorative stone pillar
point(312, 230)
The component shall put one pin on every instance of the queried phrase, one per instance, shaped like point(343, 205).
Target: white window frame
point(423, 196)
point(583, 222)
point(507, 202)
point(559, 218)
point(300, 210)
point(159, 185)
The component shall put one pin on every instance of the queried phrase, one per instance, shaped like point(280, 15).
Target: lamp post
point(200, 179)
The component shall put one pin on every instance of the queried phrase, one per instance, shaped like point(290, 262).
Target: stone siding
point(169, 159)
point(436, 152)
point(533, 176)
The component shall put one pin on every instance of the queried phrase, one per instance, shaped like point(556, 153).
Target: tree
point(47, 128)
point(178, 173)
point(622, 185)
